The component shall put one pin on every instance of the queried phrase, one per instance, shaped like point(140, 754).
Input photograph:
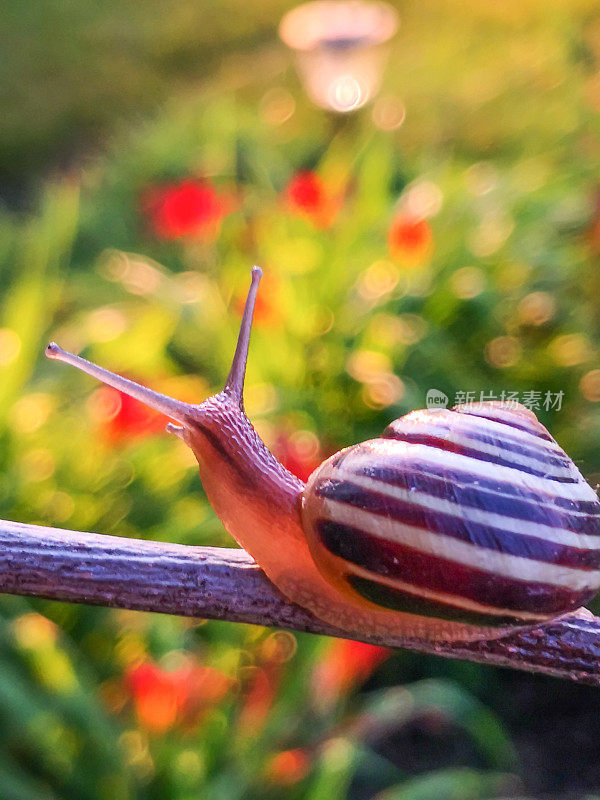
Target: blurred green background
point(446, 235)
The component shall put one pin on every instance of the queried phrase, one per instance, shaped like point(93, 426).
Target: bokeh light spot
point(481, 178)
point(410, 329)
point(105, 324)
point(34, 631)
point(388, 113)
point(260, 398)
point(59, 507)
point(536, 308)
point(104, 404)
point(383, 390)
point(502, 352)
point(191, 287)
point(30, 412)
point(346, 94)
point(467, 282)
point(277, 106)
point(190, 764)
point(422, 199)
point(366, 365)
point(279, 647)
point(378, 280)
point(10, 346)
point(570, 349)
point(37, 465)
point(590, 386)
point(512, 276)
point(491, 233)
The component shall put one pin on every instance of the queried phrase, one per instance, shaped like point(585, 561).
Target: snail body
point(454, 525)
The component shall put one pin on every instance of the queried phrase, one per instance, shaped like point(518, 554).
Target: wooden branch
point(219, 583)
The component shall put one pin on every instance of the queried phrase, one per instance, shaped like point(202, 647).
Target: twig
point(219, 583)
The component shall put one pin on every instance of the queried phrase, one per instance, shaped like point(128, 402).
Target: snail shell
point(472, 515)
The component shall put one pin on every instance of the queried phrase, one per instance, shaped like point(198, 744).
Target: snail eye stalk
point(234, 385)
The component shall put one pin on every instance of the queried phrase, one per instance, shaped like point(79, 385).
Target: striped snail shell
point(472, 515)
point(454, 525)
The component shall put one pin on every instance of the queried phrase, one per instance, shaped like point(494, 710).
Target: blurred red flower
point(190, 208)
point(309, 196)
point(156, 696)
point(163, 698)
point(409, 238)
point(202, 688)
point(345, 664)
point(262, 681)
point(120, 417)
point(299, 452)
point(258, 696)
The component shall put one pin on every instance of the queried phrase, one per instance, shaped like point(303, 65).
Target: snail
point(454, 525)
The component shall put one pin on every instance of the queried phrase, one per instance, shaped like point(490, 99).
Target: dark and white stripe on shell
point(474, 515)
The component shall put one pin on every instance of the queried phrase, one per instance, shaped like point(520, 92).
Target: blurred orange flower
point(409, 238)
point(309, 196)
point(345, 664)
point(191, 208)
point(287, 767)
point(163, 698)
point(268, 308)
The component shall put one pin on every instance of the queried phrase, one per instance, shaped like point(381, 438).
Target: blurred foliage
point(456, 249)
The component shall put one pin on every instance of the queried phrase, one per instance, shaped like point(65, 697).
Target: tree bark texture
point(226, 584)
